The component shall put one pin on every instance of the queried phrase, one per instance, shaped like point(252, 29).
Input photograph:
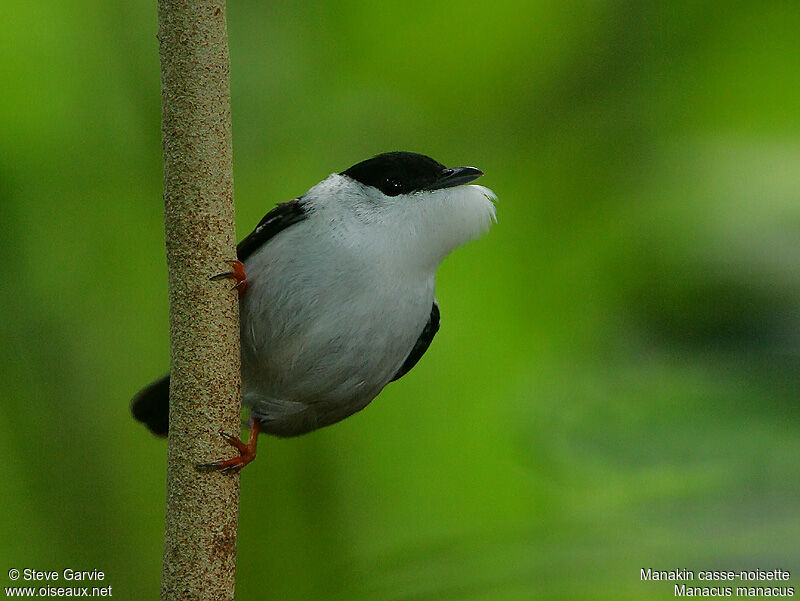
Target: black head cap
point(396, 173)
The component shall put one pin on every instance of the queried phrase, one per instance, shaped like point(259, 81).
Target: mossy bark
point(202, 508)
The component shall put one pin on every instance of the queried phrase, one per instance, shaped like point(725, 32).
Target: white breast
point(324, 328)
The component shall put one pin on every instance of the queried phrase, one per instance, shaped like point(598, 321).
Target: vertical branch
point(202, 508)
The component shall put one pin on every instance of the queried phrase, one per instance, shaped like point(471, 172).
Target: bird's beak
point(456, 177)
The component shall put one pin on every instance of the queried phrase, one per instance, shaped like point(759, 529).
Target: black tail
point(151, 406)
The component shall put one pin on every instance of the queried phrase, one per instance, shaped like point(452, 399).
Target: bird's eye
point(392, 186)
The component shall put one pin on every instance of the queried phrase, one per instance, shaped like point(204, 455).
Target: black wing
point(422, 343)
point(274, 222)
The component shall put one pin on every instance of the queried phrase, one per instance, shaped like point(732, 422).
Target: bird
point(337, 293)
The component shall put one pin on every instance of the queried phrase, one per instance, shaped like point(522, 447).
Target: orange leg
point(247, 452)
point(236, 273)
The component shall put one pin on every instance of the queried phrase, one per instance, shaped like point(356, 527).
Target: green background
point(615, 385)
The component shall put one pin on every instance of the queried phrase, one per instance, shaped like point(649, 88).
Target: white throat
point(409, 231)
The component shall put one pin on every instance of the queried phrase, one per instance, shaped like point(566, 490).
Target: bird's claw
point(234, 442)
point(223, 467)
point(247, 452)
point(237, 273)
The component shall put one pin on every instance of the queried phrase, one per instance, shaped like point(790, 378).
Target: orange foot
point(247, 452)
point(236, 273)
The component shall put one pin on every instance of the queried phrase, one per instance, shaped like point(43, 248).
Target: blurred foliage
point(615, 385)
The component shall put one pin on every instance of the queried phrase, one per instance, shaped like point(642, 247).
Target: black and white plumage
point(340, 289)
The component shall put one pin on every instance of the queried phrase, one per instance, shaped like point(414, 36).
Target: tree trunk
point(202, 508)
